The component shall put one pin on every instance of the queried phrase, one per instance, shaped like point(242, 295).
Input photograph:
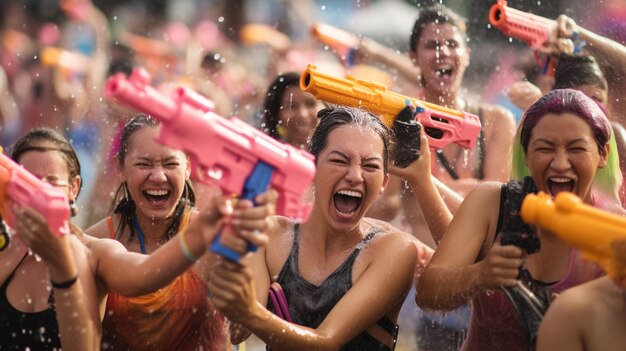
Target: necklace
point(142, 246)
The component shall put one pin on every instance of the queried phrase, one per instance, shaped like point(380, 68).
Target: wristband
point(64, 285)
point(185, 249)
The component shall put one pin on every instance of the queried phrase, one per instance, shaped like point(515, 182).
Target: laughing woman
point(344, 276)
point(156, 204)
point(564, 143)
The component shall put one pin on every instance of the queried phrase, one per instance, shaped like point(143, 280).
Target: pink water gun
point(229, 153)
point(21, 187)
point(533, 29)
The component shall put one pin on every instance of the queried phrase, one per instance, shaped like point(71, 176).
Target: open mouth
point(156, 197)
point(347, 201)
point(560, 184)
point(444, 71)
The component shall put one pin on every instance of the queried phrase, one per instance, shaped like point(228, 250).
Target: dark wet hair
point(439, 14)
point(573, 71)
point(334, 117)
point(33, 140)
point(273, 99)
point(124, 203)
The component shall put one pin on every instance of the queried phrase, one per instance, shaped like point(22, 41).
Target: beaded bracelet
point(185, 249)
point(64, 285)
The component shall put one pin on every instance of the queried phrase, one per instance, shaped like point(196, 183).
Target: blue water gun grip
point(257, 182)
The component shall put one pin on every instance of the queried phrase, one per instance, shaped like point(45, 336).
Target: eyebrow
point(367, 159)
point(144, 158)
point(551, 143)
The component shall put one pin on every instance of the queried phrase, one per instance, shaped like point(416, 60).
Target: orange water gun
point(66, 61)
point(585, 227)
point(442, 125)
point(343, 43)
point(259, 33)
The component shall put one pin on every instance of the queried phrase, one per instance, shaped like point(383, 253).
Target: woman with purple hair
point(563, 143)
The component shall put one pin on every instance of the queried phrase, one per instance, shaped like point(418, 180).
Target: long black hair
point(273, 100)
point(124, 203)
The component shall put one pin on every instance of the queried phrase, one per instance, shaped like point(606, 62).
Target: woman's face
point(297, 116)
point(349, 175)
point(595, 92)
point(51, 167)
point(442, 57)
point(155, 174)
point(563, 155)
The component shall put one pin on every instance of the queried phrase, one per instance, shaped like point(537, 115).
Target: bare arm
point(77, 329)
point(233, 293)
point(134, 274)
point(424, 190)
point(611, 56)
point(465, 262)
point(370, 50)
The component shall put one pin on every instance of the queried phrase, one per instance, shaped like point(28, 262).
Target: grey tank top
point(310, 304)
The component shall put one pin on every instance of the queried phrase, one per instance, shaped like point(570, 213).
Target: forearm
point(451, 198)
point(400, 62)
point(436, 212)
point(608, 52)
point(77, 329)
point(279, 334)
point(143, 274)
point(444, 289)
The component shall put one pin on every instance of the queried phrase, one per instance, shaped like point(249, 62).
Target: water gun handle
point(257, 182)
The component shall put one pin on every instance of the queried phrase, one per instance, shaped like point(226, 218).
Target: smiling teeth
point(157, 192)
point(560, 180)
point(350, 193)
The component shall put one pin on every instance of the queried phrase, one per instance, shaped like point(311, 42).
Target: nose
point(354, 174)
point(444, 50)
point(560, 162)
point(158, 175)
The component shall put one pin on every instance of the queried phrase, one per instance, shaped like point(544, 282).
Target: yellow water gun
point(585, 227)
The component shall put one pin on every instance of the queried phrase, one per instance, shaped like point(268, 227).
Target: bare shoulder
point(390, 235)
point(484, 194)
point(96, 244)
point(100, 229)
point(575, 301)
point(278, 226)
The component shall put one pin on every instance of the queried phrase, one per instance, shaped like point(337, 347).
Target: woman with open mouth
point(155, 203)
point(53, 287)
point(344, 276)
point(564, 143)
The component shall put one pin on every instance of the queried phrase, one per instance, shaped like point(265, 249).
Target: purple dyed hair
point(563, 101)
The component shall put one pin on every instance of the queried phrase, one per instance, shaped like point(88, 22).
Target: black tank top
point(310, 304)
point(32, 331)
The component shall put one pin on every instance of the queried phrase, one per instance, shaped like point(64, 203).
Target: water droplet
point(221, 19)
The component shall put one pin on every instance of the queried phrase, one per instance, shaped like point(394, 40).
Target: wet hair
point(332, 118)
point(438, 14)
point(273, 100)
point(573, 71)
point(124, 203)
point(559, 101)
point(35, 139)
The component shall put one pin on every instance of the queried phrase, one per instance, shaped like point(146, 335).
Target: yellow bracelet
point(185, 249)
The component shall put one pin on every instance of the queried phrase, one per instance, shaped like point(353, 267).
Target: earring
point(126, 191)
point(73, 208)
point(280, 130)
